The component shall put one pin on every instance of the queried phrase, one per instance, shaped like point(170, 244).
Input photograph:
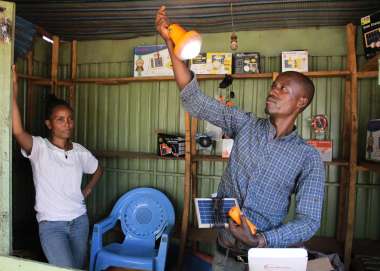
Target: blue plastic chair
point(146, 215)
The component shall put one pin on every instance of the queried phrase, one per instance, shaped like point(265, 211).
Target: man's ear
point(302, 103)
point(48, 124)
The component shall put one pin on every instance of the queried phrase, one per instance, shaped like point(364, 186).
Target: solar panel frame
point(204, 206)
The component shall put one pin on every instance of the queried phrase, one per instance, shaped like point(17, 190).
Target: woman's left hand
point(86, 191)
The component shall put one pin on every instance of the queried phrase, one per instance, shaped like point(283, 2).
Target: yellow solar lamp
point(187, 44)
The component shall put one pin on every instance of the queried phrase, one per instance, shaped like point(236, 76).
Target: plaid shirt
point(264, 171)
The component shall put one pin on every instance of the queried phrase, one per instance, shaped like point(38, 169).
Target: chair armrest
point(164, 242)
point(97, 237)
point(101, 228)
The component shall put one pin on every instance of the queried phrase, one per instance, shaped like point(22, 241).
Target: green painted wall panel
point(6, 56)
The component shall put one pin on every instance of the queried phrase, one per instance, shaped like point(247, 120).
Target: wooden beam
point(73, 73)
point(133, 155)
point(30, 107)
point(6, 61)
point(351, 64)
point(200, 77)
point(54, 65)
point(341, 229)
point(186, 192)
point(368, 74)
point(367, 165)
point(194, 180)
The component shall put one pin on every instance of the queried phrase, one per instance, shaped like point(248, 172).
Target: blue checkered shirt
point(263, 171)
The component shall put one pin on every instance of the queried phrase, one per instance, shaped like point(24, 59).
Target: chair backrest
point(144, 213)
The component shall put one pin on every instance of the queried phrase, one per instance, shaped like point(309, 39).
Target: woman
point(58, 165)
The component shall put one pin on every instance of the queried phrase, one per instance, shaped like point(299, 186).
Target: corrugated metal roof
point(25, 32)
point(127, 19)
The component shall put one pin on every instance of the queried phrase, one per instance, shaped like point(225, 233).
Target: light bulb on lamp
point(187, 44)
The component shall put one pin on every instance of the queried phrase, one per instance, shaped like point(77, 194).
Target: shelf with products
point(125, 80)
point(134, 155)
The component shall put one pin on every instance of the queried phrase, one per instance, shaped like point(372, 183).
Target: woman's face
point(61, 123)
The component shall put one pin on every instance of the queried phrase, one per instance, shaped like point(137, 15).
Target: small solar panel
point(207, 215)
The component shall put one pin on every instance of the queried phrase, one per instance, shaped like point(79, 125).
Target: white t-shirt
point(57, 176)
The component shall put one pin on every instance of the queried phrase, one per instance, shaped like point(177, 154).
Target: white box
point(373, 140)
point(152, 60)
point(294, 61)
point(223, 147)
point(212, 63)
point(277, 259)
point(227, 147)
point(324, 147)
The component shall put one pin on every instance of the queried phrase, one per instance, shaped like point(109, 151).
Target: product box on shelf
point(246, 63)
point(170, 145)
point(373, 140)
point(371, 34)
point(212, 63)
point(152, 60)
point(294, 61)
point(324, 148)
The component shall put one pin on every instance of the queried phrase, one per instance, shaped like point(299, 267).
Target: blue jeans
point(65, 242)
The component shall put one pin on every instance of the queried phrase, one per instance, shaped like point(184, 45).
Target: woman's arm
point(94, 180)
point(22, 137)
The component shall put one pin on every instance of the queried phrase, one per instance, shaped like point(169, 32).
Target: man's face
point(283, 98)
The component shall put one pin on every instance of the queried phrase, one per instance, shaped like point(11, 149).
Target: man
point(268, 163)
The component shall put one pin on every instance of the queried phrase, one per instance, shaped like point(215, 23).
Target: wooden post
point(351, 35)
point(342, 206)
point(54, 65)
point(73, 73)
point(6, 57)
point(186, 193)
point(29, 107)
point(194, 164)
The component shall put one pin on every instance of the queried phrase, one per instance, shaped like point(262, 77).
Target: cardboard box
point(170, 145)
point(371, 34)
point(152, 60)
point(294, 61)
point(246, 63)
point(324, 148)
point(212, 63)
point(320, 264)
point(373, 140)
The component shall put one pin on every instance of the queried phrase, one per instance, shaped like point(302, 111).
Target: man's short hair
point(306, 85)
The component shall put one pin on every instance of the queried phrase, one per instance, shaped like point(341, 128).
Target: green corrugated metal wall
point(126, 117)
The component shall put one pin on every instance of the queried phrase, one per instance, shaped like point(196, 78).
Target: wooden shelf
point(41, 81)
point(133, 155)
point(368, 74)
point(207, 157)
point(153, 156)
point(125, 80)
point(369, 166)
point(201, 157)
point(317, 74)
point(200, 77)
